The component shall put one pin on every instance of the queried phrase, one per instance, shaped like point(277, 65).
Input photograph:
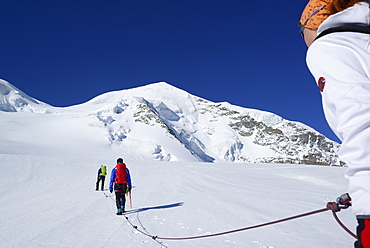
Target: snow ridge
point(161, 122)
point(14, 100)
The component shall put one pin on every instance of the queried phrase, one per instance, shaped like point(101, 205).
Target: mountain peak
point(14, 100)
point(161, 122)
point(160, 88)
point(160, 84)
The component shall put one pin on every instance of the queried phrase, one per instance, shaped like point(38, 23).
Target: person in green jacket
point(102, 172)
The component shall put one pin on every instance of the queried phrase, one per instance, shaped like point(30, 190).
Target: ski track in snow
point(171, 199)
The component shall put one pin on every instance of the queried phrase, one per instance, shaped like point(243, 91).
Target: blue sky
point(247, 53)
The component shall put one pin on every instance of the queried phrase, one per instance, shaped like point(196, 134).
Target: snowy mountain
point(164, 123)
point(14, 100)
point(49, 158)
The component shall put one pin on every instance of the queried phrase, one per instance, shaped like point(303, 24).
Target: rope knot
point(333, 206)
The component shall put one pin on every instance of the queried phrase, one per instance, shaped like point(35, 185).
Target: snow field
point(52, 202)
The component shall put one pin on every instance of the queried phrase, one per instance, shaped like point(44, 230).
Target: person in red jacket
point(120, 182)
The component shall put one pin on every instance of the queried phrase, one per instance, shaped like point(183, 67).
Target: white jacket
point(340, 63)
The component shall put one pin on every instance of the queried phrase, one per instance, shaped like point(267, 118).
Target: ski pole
point(130, 198)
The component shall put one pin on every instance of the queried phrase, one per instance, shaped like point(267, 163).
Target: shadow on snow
point(153, 208)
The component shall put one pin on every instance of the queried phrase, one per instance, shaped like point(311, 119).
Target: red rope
point(330, 206)
point(343, 226)
point(246, 228)
point(335, 207)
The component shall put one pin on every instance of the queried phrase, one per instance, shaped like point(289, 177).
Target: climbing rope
point(334, 207)
point(241, 229)
point(247, 228)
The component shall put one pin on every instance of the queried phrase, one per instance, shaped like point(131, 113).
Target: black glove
point(111, 191)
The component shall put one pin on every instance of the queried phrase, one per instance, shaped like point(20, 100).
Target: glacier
point(161, 122)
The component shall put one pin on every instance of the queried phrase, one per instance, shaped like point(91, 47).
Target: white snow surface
point(49, 161)
point(50, 201)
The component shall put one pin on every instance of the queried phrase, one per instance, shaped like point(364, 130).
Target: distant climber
point(120, 182)
point(102, 172)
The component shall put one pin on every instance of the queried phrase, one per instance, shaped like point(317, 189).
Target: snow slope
point(48, 201)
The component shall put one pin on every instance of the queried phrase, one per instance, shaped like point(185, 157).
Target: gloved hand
point(342, 202)
point(128, 190)
point(111, 191)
